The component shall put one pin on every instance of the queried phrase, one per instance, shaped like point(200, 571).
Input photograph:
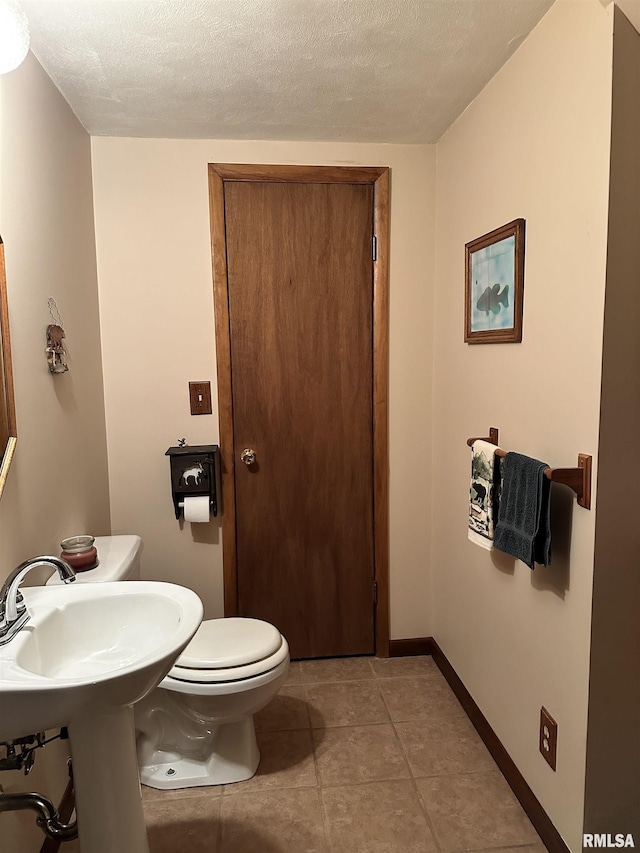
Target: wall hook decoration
point(56, 355)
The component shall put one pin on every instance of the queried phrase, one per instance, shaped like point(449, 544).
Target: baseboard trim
point(539, 818)
point(65, 810)
point(413, 646)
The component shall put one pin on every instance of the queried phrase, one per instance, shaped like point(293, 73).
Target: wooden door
point(300, 301)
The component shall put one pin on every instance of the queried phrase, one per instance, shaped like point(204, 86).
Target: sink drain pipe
point(48, 818)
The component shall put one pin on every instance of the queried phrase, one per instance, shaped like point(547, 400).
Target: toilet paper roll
point(196, 509)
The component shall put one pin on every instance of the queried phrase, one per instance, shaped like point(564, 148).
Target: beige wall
point(57, 485)
point(154, 264)
point(613, 745)
point(630, 8)
point(534, 144)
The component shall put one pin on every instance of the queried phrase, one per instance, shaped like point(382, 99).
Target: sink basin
point(91, 645)
point(87, 654)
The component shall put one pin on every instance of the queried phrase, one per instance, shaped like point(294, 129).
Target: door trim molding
point(378, 177)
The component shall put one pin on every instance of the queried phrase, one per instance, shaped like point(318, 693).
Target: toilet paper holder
point(195, 472)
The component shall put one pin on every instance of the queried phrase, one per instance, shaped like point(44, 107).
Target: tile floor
point(359, 755)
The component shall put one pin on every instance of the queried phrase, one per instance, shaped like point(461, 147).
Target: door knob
point(248, 456)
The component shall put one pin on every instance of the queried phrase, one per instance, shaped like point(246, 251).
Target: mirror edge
point(7, 373)
point(6, 461)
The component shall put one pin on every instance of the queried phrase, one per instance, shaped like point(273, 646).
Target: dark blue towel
point(523, 528)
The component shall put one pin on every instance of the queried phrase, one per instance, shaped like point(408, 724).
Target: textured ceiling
point(361, 70)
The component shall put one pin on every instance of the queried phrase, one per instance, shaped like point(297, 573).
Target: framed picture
point(494, 286)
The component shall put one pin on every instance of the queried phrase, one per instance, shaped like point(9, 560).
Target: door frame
point(378, 178)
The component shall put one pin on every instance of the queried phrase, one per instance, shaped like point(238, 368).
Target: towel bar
point(578, 479)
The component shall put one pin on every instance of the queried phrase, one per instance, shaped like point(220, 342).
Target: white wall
point(534, 144)
point(57, 485)
point(156, 299)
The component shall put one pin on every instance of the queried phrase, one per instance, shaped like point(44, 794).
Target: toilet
point(196, 728)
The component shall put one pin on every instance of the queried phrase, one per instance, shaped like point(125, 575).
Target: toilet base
point(233, 756)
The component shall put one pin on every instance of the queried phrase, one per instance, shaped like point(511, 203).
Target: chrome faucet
point(13, 610)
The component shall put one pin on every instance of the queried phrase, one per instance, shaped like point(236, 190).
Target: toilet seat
point(230, 649)
point(233, 641)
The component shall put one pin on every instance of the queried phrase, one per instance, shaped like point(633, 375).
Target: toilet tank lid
point(113, 552)
point(232, 641)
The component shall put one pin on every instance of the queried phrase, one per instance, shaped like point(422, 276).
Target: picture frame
point(494, 286)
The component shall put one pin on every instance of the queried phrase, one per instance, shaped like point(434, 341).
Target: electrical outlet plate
point(548, 738)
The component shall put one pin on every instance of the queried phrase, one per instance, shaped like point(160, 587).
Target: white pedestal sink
point(88, 653)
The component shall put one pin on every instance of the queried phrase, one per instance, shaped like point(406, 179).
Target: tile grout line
point(319, 787)
point(220, 833)
point(325, 820)
point(427, 816)
point(384, 704)
point(430, 822)
point(423, 806)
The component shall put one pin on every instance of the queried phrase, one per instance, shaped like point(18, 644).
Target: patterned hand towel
point(523, 526)
point(483, 494)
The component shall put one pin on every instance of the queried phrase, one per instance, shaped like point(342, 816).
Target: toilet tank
point(118, 560)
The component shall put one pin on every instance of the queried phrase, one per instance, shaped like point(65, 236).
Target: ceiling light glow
point(14, 35)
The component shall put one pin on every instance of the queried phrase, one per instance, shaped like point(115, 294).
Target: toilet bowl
point(196, 728)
